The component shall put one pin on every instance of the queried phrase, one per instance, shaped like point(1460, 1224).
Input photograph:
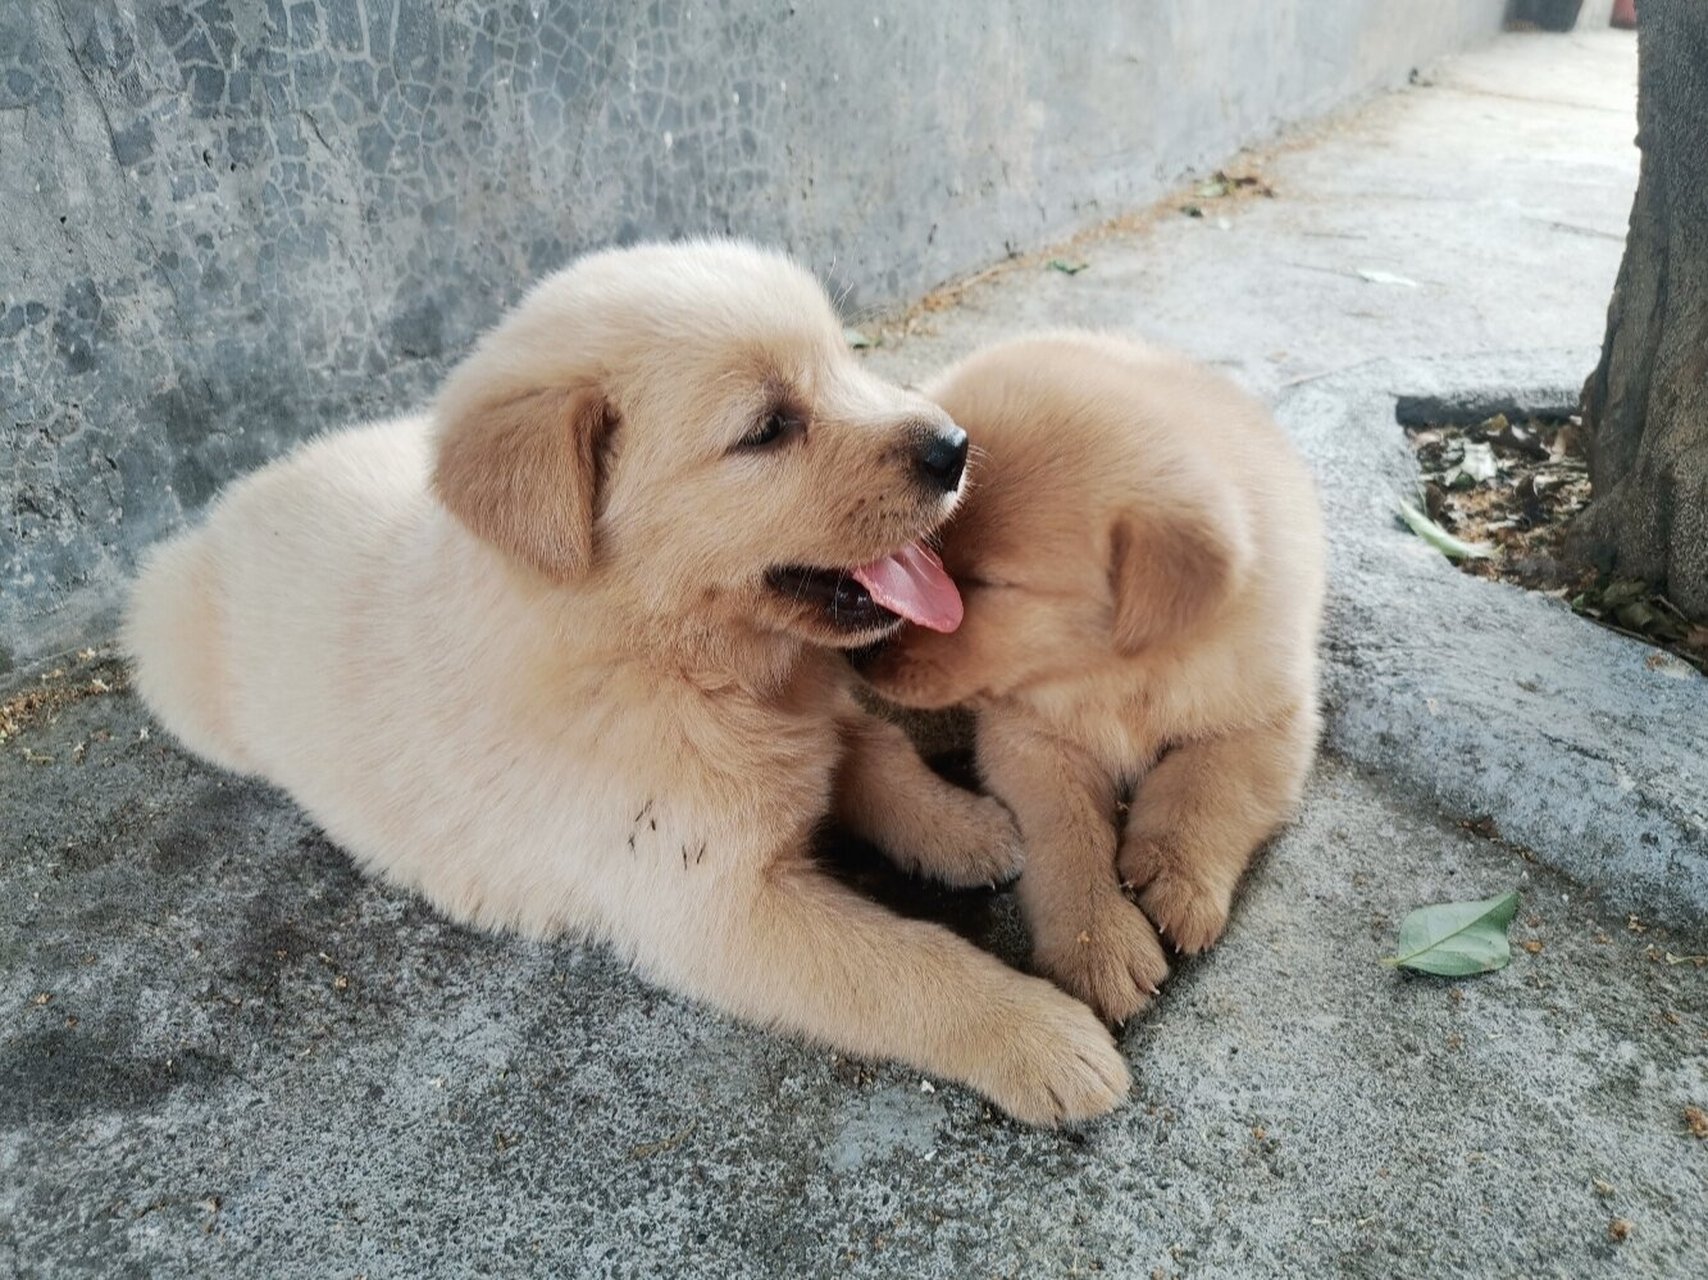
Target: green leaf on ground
point(1627, 591)
point(1455, 939)
point(1439, 538)
point(1066, 267)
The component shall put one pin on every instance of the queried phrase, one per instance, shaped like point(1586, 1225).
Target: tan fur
point(1142, 561)
point(519, 655)
point(522, 474)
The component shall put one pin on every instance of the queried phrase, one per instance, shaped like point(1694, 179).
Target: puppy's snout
point(942, 456)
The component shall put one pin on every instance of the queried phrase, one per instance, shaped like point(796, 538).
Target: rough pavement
point(223, 1053)
point(1588, 748)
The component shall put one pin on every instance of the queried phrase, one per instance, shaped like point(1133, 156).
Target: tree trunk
point(1646, 405)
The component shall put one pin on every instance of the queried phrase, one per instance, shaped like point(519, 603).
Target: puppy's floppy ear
point(522, 473)
point(1173, 569)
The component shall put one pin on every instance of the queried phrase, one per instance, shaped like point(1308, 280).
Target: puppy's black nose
point(943, 456)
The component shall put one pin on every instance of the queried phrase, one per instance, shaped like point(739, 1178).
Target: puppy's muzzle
point(941, 457)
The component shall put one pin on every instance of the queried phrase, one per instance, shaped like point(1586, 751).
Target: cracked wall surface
point(226, 225)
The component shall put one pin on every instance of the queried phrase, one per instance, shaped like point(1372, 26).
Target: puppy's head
point(1101, 526)
point(684, 425)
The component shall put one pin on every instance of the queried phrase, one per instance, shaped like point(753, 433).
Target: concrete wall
point(226, 225)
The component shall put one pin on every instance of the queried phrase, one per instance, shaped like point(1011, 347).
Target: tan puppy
point(1142, 560)
point(562, 656)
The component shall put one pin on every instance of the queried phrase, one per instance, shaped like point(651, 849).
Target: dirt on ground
point(90, 673)
point(1511, 490)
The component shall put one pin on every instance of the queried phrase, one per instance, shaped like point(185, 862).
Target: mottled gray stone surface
point(253, 1063)
point(228, 224)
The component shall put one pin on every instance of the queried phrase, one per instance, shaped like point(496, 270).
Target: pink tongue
point(913, 583)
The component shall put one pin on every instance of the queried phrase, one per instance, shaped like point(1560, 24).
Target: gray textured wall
point(226, 225)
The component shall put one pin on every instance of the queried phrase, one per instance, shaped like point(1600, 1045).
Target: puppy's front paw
point(1188, 906)
point(973, 842)
point(960, 839)
point(1114, 962)
point(1052, 1063)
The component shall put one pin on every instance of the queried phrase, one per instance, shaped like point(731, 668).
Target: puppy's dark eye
point(775, 427)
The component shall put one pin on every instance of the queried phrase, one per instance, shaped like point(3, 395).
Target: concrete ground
point(222, 1053)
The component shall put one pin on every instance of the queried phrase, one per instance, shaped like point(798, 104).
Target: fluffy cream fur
point(1142, 560)
point(521, 654)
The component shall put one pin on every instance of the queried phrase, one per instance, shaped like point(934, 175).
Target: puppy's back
point(222, 614)
point(174, 635)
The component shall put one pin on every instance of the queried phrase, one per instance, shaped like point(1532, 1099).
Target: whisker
point(976, 458)
point(836, 592)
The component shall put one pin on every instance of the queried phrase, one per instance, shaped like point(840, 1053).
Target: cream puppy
point(1142, 561)
point(562, 656)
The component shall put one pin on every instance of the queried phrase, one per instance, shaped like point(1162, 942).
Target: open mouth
point(910, 584)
